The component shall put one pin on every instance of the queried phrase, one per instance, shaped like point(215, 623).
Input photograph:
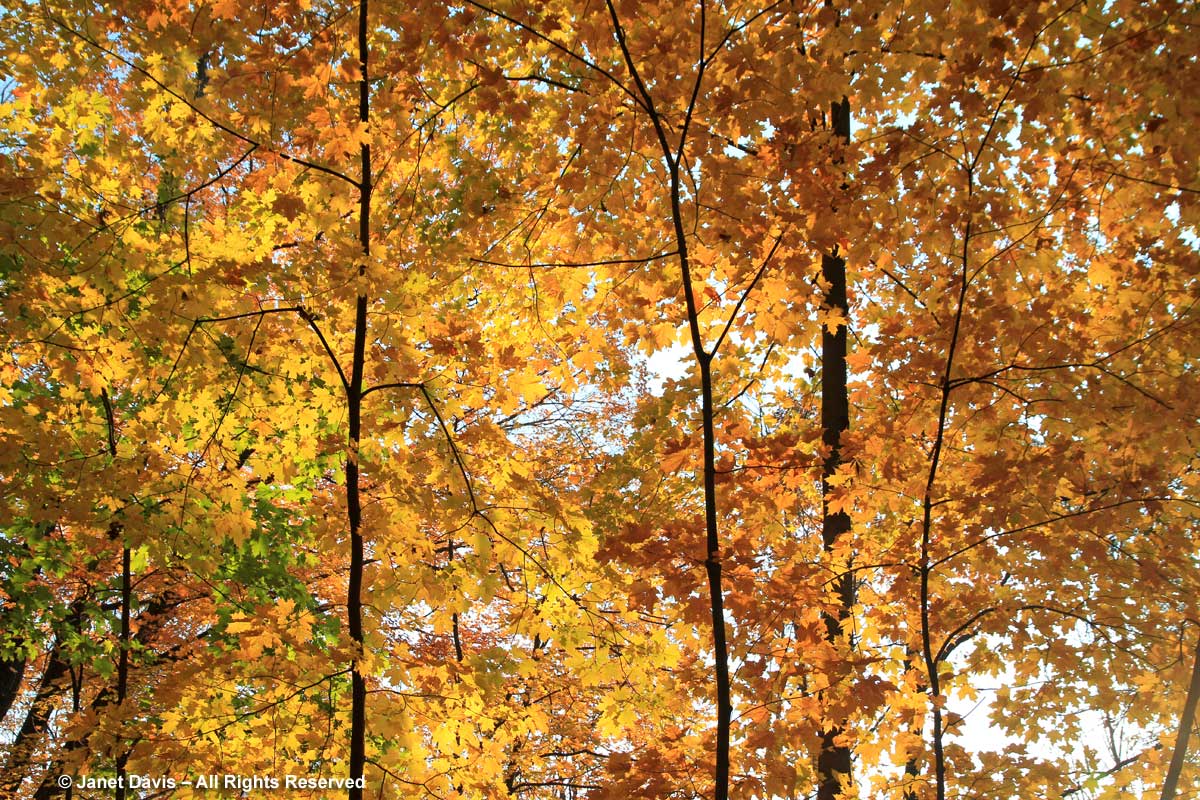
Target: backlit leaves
point(180, 195)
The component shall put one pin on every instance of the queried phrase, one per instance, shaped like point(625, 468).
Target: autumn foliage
point(602, 400)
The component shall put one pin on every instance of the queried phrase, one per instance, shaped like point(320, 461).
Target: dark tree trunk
point(11, 672)
point(24, 746)
point(358, 689)
point(833, 760)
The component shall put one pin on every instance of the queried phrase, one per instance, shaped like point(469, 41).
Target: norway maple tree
point(332, 448)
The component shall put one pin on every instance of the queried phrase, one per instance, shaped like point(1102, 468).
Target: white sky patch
point(668, 364)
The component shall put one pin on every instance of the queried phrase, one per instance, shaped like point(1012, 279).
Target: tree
point(330, 448)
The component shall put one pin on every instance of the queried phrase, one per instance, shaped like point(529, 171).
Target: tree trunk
point(1186, 720)
point(358, 689)
point(833, 760)
point(24, 746)
point(11, 672)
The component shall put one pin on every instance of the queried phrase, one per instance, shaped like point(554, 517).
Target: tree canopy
point(336, 442)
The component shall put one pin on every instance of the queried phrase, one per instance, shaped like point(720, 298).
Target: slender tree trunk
point(833, 760)
point(1186, 721)
point(712, 566)
point(926, 567)
point(123, 662)
point(673, 158)
point(358, 689)
point(114, 531)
